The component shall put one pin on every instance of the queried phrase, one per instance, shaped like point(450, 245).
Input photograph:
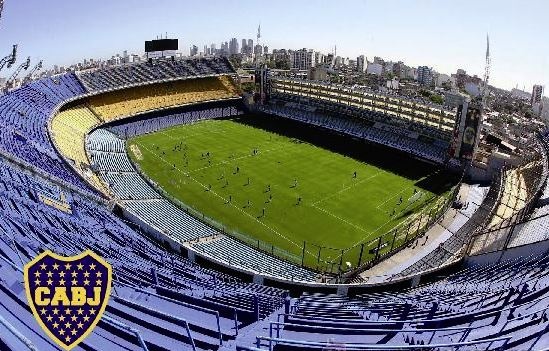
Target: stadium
point(306, 216)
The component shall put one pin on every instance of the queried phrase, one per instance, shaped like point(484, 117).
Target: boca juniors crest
point(68, 295)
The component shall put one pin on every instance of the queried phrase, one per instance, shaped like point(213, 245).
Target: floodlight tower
point(11, 81)
point(9, 60)
point(36, 68)
point(486, 70)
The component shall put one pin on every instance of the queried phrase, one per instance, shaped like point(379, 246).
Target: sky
point(445, 35)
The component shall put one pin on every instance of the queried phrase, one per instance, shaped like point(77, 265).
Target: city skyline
point(446, 37)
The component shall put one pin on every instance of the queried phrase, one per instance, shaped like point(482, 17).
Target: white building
point(537, 94)
point(410, 73)
point(302, 59)
point(442, 79)
point(361, 63)
point(319, 58)
point(393, 84)
point(425, 75)
point(374, 68)
point(472, 88)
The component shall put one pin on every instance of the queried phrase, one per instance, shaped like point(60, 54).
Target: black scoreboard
point(161, 45)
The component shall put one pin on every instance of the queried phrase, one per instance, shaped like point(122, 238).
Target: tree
point(248, 87)
point(425, 93)
point(236, 61)
point(437, 99)
point(282, 64)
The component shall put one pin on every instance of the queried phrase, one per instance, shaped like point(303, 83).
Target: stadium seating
point(380, 133)
point(484, 307)
point(537, 229)
point(152, 286)
point(103, 141)
point(24, 115)
point(492, 305)
point(235, 253)
point(144, 73)
point(24, 112)
point(170, 119)
point(334, 108)
point(133, 101)
point(164, 301)
point(414, 112)
point(519, 186)
point(68, 130)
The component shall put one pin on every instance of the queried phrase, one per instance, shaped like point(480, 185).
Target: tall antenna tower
point(258, 54)
point(486, 69)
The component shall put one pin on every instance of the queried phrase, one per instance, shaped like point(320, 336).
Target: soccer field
point(285, 183)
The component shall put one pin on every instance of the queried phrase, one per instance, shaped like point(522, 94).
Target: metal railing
point(503, 341)
point(496, 236)
point(28, 344)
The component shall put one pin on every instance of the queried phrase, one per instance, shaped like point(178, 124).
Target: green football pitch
point(285, 183)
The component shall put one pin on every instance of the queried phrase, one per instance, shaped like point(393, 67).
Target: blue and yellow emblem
point(68, 295)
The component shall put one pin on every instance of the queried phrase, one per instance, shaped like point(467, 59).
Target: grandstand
point(161, 70)
point(376, 131)
point(68, 130)
point(35, 226)
point(431, 119)
point(75, 122)
point(134, 101)
point(67, 185)
point(25, 113)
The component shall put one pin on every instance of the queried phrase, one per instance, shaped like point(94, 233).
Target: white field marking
point(341, 219)
point(225, 162)
point(358, 227)
point(346, 188)
point(366, 237)
point(136, 152)
point(313, 205)
point(394, 196)
point(369, 234)
point(239, 158)
point(410, 218)
point(406, 188)
point(235, 206)
point(186, 135)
